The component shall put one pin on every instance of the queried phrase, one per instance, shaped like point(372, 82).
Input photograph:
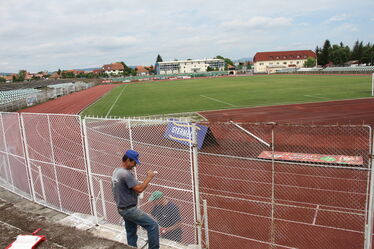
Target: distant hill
point(244, 59)
point(87, 69)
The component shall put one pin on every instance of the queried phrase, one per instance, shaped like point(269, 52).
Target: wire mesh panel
point(237, 185)
point(321, 181)
point(54, 145)
point(172, 188)
point(272, 186)
point(13, 166)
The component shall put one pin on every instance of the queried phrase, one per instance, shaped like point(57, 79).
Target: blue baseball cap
point(134, 155)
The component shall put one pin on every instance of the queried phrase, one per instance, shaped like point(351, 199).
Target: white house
point(114, 68)
point(270, 62)
point(189, 66)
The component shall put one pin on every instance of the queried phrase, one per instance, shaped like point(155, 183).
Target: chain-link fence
point(265, 185)
point(14, 173)
point(56, 157)
point(287, 186)
point(107, 139)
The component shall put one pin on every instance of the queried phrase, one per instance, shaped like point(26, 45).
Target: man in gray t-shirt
point(125, 189)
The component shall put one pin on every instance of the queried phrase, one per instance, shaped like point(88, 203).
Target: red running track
point(359, 111)
point(72, 103)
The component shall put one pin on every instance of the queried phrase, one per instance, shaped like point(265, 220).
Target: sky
point(38, 35)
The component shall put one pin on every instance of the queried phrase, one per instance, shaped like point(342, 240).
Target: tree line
point(339, 54)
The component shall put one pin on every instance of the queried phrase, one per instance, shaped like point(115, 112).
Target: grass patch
point(227, 93)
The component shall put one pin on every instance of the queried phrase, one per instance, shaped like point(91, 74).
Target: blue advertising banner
point(181, 133)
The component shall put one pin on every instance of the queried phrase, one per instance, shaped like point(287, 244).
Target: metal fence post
point(206, 225)
point(272, 235)
point(54, 161)
point(27, 156)
point(196, 181)
point(6, 151)
point(42, 183)
point(103, 198)
point(89, 172)
point(370, 221)
point(85, 159)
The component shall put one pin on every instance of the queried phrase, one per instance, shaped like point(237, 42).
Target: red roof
point(283, 55)
point(113, 66)
point(141, 69)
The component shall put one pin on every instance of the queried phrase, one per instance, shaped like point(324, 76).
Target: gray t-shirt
point(122, 183)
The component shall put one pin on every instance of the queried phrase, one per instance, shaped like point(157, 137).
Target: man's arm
point(141, 187)
point(173, 227)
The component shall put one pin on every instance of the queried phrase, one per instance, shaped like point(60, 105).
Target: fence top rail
point(285, 124)
point(182, 120)
point(48, 114)
point(164, 120)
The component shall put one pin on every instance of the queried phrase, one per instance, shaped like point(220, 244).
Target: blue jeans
point(134, 217)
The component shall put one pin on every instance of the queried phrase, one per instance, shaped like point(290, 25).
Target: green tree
point(59, 72)
point(368, 54)
point(323, 57)
point(339, 54)
point(66, 74)
point(227, 61)
point(310, 62)
point(209, 69)
point(357, 51)
point(20, 76)
point(128, 71)
point(159, 59)
point(2, 80)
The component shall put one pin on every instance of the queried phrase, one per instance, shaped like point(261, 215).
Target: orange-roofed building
point(270, 62)
point(114, 68)
point(141, 71)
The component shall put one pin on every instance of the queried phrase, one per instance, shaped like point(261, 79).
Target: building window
point(297, 62)
point(285, 63)
point(261, 64)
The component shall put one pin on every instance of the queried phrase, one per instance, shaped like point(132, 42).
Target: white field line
point(315, 215)
point(314, 96)
point(119, 95)
point(290, 221)
point(250, 239)
point(217, 100)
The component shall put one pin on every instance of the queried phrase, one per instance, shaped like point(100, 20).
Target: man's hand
point(141, 187)
point(150, 173)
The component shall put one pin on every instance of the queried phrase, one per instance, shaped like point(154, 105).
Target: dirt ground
point(15, 219)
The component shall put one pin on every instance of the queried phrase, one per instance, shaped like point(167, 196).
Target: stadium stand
point(14, 95)
point(359, 69)
point(287, 70)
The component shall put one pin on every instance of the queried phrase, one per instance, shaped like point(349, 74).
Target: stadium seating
point(359, 69)
point(309, 69)
point(14, 95)
point(287, 70)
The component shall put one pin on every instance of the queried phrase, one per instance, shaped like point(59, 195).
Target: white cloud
point(52, 35)
point(337, 18)
point(259, 22)
point(347, 27)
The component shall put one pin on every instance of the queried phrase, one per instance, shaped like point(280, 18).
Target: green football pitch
point(163, 97)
